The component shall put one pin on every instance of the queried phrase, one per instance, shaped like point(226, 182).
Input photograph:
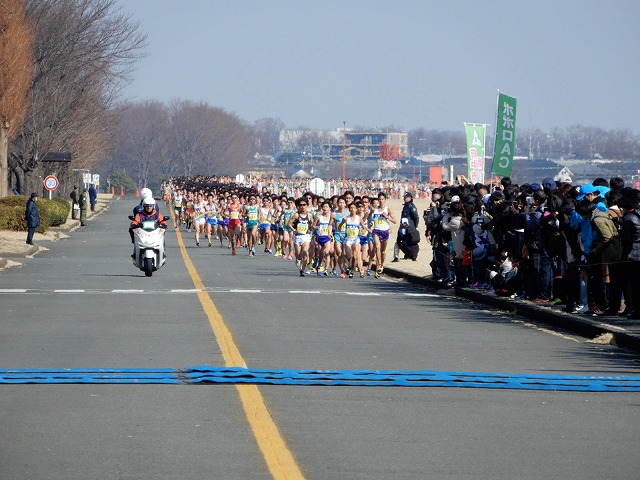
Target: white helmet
point(148, 201)
point(146, 192)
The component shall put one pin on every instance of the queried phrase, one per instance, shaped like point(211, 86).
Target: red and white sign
point(51, 182)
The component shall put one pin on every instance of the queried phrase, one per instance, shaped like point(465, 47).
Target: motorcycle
point(148, 242)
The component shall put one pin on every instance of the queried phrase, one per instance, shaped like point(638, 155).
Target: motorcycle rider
point(149, 212)
point(145, 193)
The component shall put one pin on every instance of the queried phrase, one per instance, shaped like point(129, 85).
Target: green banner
point(505, 136)
point(475, 151)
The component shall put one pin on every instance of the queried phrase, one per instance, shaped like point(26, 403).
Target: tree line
point(75, 56)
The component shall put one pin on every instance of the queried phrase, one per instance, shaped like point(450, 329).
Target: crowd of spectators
point(549, 242)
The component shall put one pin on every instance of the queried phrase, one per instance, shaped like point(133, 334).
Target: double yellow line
point(274, 449)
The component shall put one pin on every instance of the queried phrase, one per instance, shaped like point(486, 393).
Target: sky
point(401, 63)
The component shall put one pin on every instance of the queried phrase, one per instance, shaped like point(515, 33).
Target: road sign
point(51, 182)
point(317, 186)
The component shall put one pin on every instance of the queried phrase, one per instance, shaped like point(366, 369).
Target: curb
point(584, 327)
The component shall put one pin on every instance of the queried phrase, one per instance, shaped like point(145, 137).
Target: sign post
point(50, 183)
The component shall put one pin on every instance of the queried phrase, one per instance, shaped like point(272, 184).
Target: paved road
point(83, 305)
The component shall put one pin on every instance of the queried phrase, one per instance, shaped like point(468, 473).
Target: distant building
point(366, 145)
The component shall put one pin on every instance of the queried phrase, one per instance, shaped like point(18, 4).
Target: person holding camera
point(482, 253)
point(437, 236)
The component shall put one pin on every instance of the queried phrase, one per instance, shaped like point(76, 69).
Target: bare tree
point(207, 140)
point(142, 139)
point(84, 50)
point(16, 41)
point(266, 135)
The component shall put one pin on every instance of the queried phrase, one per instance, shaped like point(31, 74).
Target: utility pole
point(344, 151)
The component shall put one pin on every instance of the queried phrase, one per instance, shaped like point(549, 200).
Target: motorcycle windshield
point(149, 225)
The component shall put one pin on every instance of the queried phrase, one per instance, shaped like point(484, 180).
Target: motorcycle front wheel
point(148, 266)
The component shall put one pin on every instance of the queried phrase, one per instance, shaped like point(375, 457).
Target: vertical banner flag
point(505, 136)
point(475, 151)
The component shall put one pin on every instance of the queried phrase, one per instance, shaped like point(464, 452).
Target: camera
point(529, 201)
point(480, 220)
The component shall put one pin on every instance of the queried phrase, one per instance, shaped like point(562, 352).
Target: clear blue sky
point(407, 63)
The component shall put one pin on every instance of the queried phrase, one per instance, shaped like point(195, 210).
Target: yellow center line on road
point(274, 449)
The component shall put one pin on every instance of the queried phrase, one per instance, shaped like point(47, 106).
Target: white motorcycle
point(148, 242)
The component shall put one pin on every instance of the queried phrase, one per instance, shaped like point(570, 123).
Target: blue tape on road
point(370, 378)
point(90, 376)
point(423, 378)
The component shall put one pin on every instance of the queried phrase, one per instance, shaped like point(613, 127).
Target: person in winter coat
point(408, 239)
point(74, 202)
point(630, 238)
point(32, 216)
point(453, 222)
point(409, 212)
point(83, 202)
point(483, 248)
point(93, 197)
point(605, 254)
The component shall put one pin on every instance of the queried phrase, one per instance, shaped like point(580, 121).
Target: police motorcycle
point(148, 243)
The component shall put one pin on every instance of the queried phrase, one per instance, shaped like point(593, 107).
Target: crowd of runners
point(343, 235)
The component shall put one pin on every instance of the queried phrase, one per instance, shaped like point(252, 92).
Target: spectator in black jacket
point(410, 212)
point(32, 216)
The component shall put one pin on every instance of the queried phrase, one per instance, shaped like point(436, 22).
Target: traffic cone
point(122, 191)
point(113, 190)
point(137, 192)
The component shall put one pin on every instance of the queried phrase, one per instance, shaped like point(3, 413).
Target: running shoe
point(476, 285)
point(284, 257)
point(302, 273)
point(580, 309)
point(197, 244)
point(320, 274)
point(209, 243)
point(343, 275)
point(233, 251)
point(368, 272)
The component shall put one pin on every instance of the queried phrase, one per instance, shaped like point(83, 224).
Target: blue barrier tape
point(376, 378)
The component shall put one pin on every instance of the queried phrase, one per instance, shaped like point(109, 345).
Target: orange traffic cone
point(137, 192)
point(122, 191)
point(113, 190)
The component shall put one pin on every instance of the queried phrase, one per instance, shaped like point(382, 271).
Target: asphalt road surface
point(83, 305)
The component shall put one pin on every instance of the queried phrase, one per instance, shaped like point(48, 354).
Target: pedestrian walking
point(32, 216)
